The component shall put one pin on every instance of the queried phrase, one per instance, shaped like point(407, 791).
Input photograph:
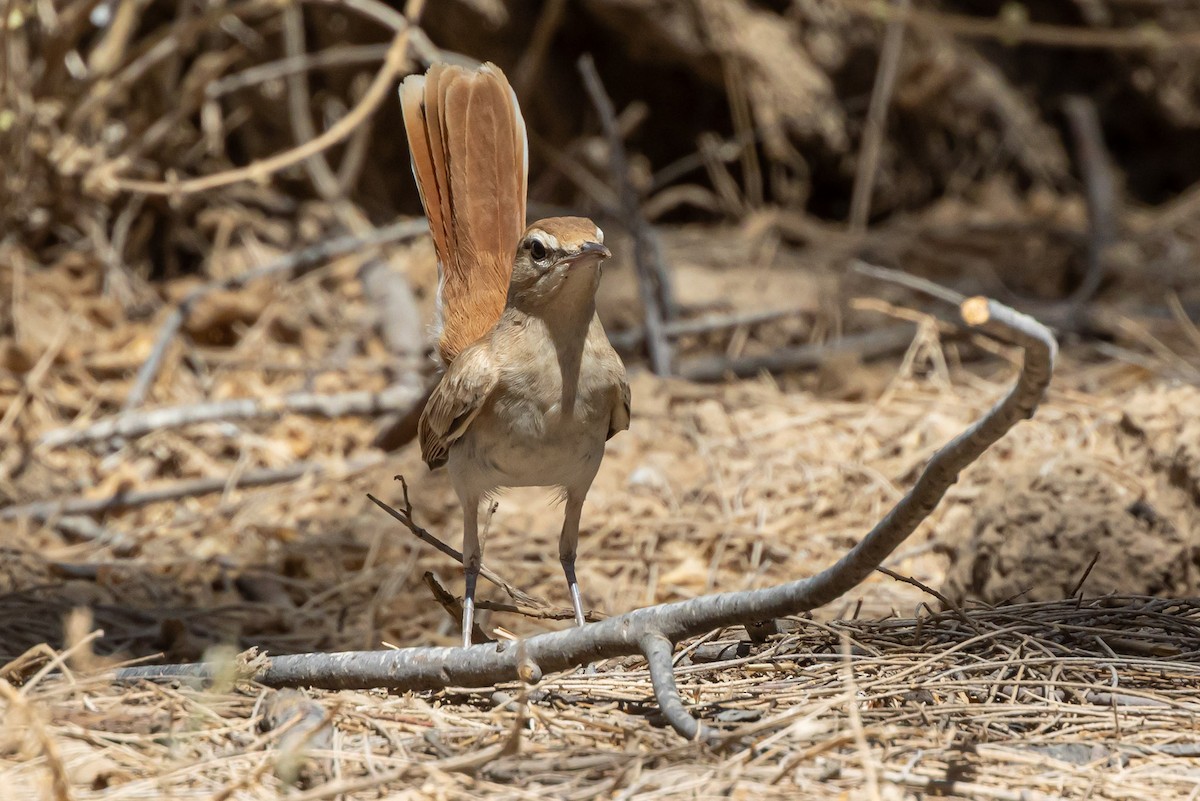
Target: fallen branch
point(658, 650)
point(132, 424)
point(1101, 190)
point(654, 282)
point(44, 510)
point(876, 123)
point(652, 630)
point(299, 106)
point(870, 345)
point(634, 337)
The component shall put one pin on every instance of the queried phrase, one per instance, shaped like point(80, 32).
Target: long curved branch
point(651, 630)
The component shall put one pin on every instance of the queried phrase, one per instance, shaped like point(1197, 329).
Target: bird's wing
point(456, 402)
point(614, 376)
point(619, 421)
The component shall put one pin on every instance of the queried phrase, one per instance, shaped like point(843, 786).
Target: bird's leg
point(567, 543)
point(472, 557)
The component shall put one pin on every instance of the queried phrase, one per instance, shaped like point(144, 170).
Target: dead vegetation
point(1011, 703)
point(742, 123)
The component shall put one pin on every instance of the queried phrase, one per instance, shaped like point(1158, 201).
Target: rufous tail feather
point(470, 158)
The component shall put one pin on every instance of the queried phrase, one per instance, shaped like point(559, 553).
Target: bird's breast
point(532, 433)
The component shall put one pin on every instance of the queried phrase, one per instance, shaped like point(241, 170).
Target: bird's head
point(558, 257)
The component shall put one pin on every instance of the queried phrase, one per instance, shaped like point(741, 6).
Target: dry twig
point(132, 424)
point(1101, 190)
point(634, 337)
point(870, 345)
point(453, 606)
point(876, 124)
point(405, 516)
point(654, 280)
point(44, 510)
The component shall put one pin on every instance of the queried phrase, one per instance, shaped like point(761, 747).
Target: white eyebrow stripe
point(549, 241)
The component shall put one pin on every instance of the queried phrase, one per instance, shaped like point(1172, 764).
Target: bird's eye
point(537, 250)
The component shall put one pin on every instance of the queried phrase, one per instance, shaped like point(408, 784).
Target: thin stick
point(1077, 590)
point(81, 527)
point(1185, 322)
point(627, 340)
point(942, 599)
point(1101, 191)
point(876, 124)
point(297, 263)
point(654, 283)
point(32, 382)
point(329, 185)
point(6, 33)
point(354, 158)
point(43, 510)
point(405, 517)
point(870, 345)
point(128, 425)
point(538, 613)
point(913, 282)
point(347, 56)
point(453, 607)
point(299, 105)
point(548, 23)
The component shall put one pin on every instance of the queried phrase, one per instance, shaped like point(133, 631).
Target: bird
point(532, 389)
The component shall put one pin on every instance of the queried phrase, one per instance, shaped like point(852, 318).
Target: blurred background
point(217, 287)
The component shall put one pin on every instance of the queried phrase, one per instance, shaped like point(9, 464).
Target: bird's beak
point(589, 252)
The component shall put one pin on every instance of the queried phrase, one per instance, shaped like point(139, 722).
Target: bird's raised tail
point(470, 159)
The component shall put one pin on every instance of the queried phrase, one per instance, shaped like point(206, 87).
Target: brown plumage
point(467, 139)
point(468, 384)
point(532, 388)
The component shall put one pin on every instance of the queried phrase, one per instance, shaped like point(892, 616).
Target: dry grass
point(713, 487)
point(1028, 701)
